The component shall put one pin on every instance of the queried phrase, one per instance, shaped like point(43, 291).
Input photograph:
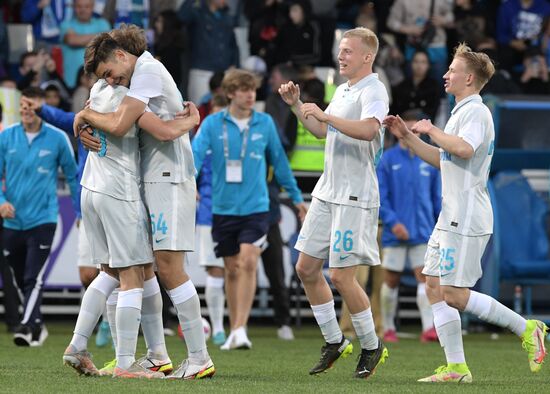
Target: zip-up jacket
point(30, 172)
point(250, 196)
point(410, 193)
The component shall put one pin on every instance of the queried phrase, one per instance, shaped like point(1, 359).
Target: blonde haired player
point(465, 224)
point(342, 221)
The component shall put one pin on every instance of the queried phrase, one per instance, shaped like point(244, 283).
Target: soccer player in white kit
point(168, 174)
point(465, 224)
point(117, 232)
point(342, 221)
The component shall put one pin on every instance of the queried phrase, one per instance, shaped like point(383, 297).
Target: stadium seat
point(522, 242)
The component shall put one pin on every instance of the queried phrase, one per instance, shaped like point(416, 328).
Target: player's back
point(466, 206)
point(349, 176)
point(170, 161)
point(114, 170)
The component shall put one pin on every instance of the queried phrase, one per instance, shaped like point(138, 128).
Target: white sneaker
point(237, 340)
point(38, 340)
point(228, 345)
point(192, 370)
point(285, 333)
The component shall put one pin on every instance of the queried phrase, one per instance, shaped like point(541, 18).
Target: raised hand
point(290, 93)
point(423, 126)
point(396, 126)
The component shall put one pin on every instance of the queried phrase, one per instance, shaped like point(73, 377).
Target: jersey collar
point(472, 98)
point(362, 82)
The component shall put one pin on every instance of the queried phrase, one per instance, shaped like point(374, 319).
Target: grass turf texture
point(277, 366)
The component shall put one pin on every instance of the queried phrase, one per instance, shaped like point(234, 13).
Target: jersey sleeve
point(472, 129)
point(146, 83)
point(374, 103)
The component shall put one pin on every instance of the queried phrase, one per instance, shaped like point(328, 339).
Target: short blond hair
point(237, 79)
point(367, 36)
point(479, 63)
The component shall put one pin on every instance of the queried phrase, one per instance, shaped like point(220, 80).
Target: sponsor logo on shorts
point(40, 246)
point(159, 240)
point(301, 237)
point(343, 257)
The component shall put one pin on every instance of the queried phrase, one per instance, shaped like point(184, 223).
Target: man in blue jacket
point(410, 201)
point(30, 153)
point(240, 140)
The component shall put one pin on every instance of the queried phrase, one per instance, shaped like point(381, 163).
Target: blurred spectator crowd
point(197, 39)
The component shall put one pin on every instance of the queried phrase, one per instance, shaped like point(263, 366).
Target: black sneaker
point(39, 335)
point(22, 336)
point(331, 352)
point(369, 360)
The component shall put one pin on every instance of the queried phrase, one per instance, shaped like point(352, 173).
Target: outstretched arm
point(452, 144)
point(427, 152)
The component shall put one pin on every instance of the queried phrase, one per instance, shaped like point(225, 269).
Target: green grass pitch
point(275, 366)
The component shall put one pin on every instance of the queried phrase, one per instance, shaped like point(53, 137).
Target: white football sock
point(490, 310)
point(91, 308)
point(424, 307)
point(187, 304)
point(128, 314)
point(449, 330)
point(151, 320)
point(364, 328)
point(388, 300)
point(325, 315)
point(110, 306)
point(215, 302)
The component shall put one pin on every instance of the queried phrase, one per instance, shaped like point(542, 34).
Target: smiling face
point(354, 59)
point(458, 80)
point(116, 70)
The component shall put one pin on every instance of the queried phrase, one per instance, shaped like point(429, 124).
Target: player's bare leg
point(241, 288)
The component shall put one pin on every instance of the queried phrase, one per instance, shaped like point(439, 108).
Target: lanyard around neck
point(226, 139)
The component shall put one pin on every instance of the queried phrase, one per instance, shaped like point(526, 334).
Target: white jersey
point(349, 177)
point(114, 170)
point(170, 161)
point(466, 206)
